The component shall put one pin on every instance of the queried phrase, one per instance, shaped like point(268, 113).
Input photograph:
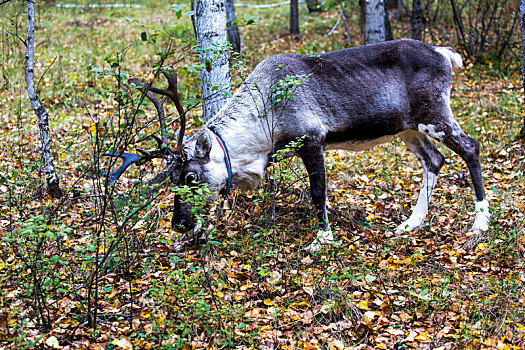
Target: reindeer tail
point(452, 56)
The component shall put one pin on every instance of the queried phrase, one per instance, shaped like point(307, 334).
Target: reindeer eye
point(190, 177)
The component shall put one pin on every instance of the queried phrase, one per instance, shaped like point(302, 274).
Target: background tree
point(373, 18)
point(484, 28)
point(53, 184)
point(294, 17)
point(234, 37)
point(210, 30)
point(388, 28)
point(522, 22)
point(314, 6)
point(416, 19)
point(342, 15)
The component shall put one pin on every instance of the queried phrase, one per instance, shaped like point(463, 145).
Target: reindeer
point(351, 99)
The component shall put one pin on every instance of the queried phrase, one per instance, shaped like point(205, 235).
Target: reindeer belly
point(358, 145)
point(361, 132)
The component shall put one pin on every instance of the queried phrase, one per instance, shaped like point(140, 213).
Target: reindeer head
point(205, 169)
point(189, 171)
point(193, 163)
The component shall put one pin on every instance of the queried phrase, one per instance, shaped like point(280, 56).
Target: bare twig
point(45, 71)
point(16, 36)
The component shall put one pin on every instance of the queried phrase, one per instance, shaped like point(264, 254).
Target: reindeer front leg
point(313, 160)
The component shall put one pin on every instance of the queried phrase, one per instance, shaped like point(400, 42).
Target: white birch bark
point(53, 185)
point(210, 26)
point(375, 30)
point(522, 22)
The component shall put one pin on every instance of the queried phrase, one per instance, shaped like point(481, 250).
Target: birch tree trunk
point(522, 22)
point(294, 17)
point(53, 185)
point(375, 30)
point(234, 37)
point(416, 18)
point(210, 27)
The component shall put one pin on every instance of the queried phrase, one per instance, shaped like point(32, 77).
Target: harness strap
point(227, 161)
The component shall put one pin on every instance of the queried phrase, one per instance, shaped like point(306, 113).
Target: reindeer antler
point(162, 149)
point(159, 105)
point(173, 94)
point(130, 158)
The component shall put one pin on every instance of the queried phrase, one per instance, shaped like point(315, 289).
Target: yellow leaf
point(246, 286)
point(267, 302)
point(160, 318)
point(123, 343)
point(423, 337)
point(482, 246)
point(145, 313)
point(363, 305)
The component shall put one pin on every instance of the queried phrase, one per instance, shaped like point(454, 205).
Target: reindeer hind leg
point(468, 149)
point(432, 161)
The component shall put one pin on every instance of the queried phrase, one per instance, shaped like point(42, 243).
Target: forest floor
point(101, 268)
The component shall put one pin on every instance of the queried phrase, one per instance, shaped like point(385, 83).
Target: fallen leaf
point(52, 342)
point(123, 343)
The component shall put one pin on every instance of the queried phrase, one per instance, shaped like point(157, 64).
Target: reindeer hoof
point(323, 237)
point(409, 225)
point(481, 223)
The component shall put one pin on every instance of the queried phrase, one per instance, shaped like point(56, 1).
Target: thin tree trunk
point(345, 19)
point(210, 25)
point(362, 16)
point(294, 17)
point(53, 184)
point(522, 21)
point(314, 6)
point(234, 37)
point(388, 28)
point(416, 18)
point(375, 30)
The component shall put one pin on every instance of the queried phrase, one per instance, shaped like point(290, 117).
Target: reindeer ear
point(203, 146)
